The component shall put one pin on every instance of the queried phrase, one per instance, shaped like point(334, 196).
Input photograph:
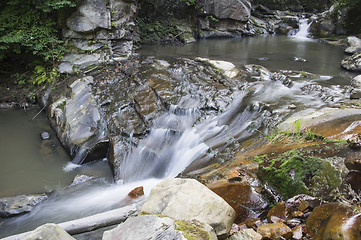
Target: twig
point(38, 112)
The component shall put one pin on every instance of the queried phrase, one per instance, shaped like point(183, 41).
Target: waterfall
point(303, 30)
point(177, 141)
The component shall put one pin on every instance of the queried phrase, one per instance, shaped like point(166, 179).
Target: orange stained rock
point(275, 230)
point(136, 192)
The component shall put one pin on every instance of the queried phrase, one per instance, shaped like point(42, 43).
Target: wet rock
point(352, 63)
point(77, 120)
point(277, 211)
point(245, 201)
point(302, 203)
point(259, 71)
point(48, 231)
point(246, 234)
point(253, 223)
point(73, 63)
point(154, 227)
point(275, 230)
point(80, 179)
point(176, 198)
point(13, 206)
point(136, 193)
point(353, 161)
point(354, 179)
point(234, 175)
point(334, 221)
point(298, 59)
point(356, 87)
point(227, 68)
point(45, 135)
point(354, 45)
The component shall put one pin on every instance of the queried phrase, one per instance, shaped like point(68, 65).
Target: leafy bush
point(30, 26)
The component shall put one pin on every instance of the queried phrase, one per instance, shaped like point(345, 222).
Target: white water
point(174, 143)
point(303, 31)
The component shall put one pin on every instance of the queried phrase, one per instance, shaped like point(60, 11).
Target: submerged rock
point(48, 231)
point(189, 199)
point(275, 231)
point(246, 234)
point(13, 206)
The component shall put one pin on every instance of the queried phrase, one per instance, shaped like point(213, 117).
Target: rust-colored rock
point(240, 196)
point(353, 161)
point(136, 192)
point(253, 223)
point(275, 230)
point(234, 175)
point(297, 214)
point(334, 221)
point(278, 211)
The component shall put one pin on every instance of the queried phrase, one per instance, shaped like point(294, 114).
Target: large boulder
point(227, 9)
point(352, 63)
point(354, 44)
point(189, 199)
point(150, 227)
point(48, 231)
point(78, 122)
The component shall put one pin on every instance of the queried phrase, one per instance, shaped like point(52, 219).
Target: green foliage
point(29, 26)
point(190, 2)
point(155, 31)
point(43, 75)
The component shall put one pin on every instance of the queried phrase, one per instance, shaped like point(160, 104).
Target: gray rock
point(73, 62)
point(356, 82)
point(90, 15)
point(150, 227)
point(45, 135)
point(355, 93)
point(352, 63)
point(49, 231)
point(239, 10)
point(189, 199)
point(13, 206)
point(354, 45)
point(77, 119)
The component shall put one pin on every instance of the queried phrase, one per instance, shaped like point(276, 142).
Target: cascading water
point(303, 30)
point(176, 141)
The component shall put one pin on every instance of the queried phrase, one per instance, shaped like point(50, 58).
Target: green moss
point(294, 172)
point(191, 231)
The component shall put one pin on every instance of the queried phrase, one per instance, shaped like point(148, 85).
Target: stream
point(176, 138)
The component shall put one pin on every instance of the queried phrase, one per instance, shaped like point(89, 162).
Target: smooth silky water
point(197, 142)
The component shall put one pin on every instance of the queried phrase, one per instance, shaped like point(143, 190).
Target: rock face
point(48, 231)
point(227, 9)
point(13, 206)
point(356, 87)
point(352, 63)
point(98, 31)
point(153, 227)
point(189, 199)
point(78, 122)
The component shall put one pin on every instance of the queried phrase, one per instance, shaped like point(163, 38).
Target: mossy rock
point(295, 172)
point(192, 230)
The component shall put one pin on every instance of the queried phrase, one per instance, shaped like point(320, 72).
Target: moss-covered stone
point(191, 231)
point(295, 172)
